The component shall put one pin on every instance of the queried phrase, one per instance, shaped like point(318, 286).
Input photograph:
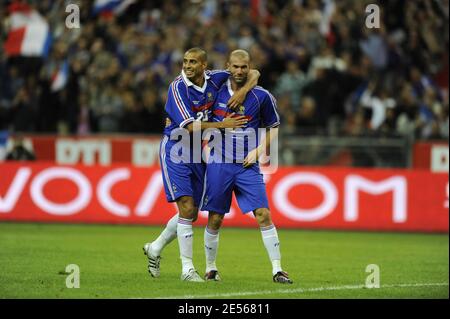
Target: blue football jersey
point(187, 102)
point(259, 108)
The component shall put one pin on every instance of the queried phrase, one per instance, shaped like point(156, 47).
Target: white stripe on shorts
point(163, 163)
point(204, 190)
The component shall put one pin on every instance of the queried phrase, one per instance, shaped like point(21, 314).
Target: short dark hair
point(202, 53)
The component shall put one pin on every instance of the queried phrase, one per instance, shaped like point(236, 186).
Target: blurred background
point(347, 95)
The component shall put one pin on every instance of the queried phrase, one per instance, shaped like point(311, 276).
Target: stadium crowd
point(330, 73)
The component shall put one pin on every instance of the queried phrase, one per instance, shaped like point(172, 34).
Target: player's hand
point(234, 122)
point(237, 99)
point(252, 158)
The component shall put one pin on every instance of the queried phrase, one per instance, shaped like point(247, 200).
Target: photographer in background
point(20, 152)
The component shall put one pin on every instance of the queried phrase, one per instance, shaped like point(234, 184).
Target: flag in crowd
point(111, 7)
point(29, 33)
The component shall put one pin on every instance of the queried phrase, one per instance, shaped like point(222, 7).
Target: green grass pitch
point(323, 264)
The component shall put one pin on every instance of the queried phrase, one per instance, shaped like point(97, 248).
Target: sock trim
point(211, 231)
point(184, 221)
point(267, 228)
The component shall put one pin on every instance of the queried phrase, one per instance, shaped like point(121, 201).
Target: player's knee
point(215, 221)
point(263, 216)
point(186, 208)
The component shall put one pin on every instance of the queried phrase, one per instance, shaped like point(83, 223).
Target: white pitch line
point(302, 290)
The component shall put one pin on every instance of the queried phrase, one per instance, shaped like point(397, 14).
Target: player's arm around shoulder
point(239, 96)
point(231, 121)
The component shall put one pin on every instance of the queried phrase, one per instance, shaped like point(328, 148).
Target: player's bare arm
point(256, 153)
point(239, 96)
point(230, 121)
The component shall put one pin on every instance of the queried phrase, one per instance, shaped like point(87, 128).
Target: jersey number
point(203, 116)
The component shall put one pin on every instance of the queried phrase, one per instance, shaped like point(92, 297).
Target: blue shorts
point(222, 179)
point(180, 179)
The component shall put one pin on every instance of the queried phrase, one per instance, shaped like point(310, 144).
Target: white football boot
point(191, 275)
point(153, 261)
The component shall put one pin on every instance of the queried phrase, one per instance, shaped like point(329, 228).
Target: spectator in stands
point(375, 99)
point(153, 114)
point(374, 46)
point(24, 107)
point(291, 82)
point(86, 121)
point(141, 49)
point(408, 121)
point(109, 109)
point(443, 122)
point(307, 117)
point(133, 119)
